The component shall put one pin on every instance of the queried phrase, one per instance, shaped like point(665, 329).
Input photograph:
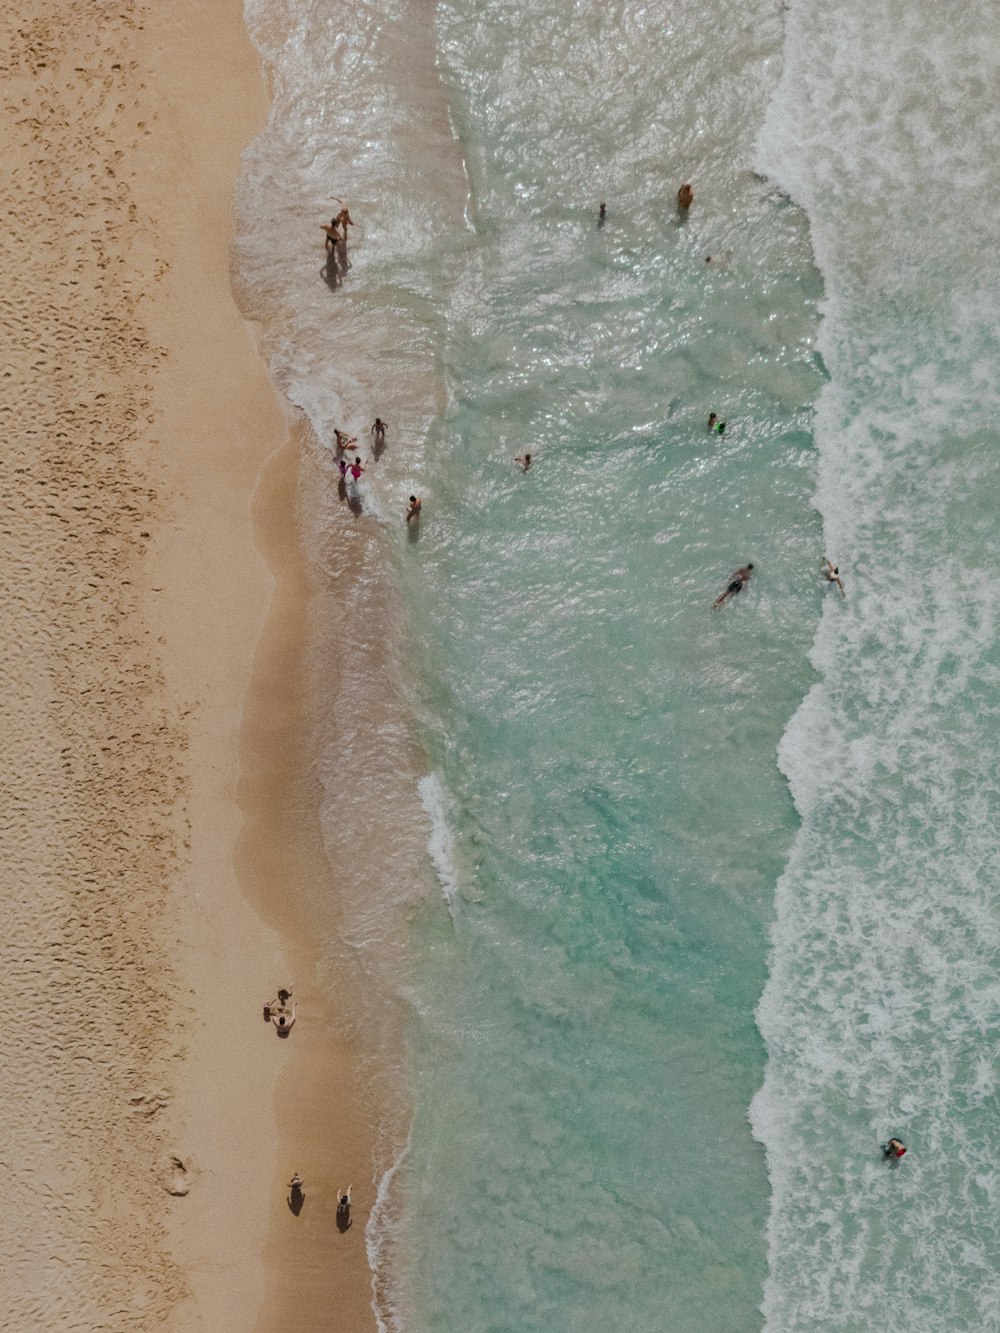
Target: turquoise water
point(683, 862)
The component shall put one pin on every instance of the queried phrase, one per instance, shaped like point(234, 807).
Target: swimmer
point(524, 460)
point(893, 1150)
point(283, 1022)
point(332, 234)
point(715, 424)
point(378, 430)
point(414, 509)
point(602, 213)
point(832, 573)
point(356, 469)
point(685, 197)
point(737, 581)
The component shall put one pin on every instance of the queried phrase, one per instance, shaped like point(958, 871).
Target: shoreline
point(139, 418)
point(249, 1261)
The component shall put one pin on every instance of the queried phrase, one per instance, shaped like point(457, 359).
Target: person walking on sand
point(344, 1207)
point(685, 197)
point(737, 581)
point(378, 430)
point(524, 460)
point(414, 510)
point(295, 1184)
point(832, 573)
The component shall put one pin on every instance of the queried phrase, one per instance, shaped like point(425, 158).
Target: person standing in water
point(378, 430)
point(524, 460)
point(685, 197)
point(332, 234)
point(602, 213)
point(737, 582)
point(414, 510)
point(356, 469)
point(343, 220)
point(832, 572)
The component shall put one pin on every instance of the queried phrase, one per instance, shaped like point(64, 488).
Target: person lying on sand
point(284, 1022)
point(736, 583)
point(279, 1003)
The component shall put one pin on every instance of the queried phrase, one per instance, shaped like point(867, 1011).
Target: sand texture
point(141, 1149)
point(94, 774)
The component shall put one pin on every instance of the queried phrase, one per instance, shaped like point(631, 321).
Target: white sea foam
point(381, 1233)
point(441, 843)
point(881, 991)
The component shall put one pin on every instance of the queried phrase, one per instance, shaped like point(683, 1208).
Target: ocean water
point(704, 905)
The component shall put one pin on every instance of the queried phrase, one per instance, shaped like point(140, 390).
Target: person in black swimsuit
point(736, 584)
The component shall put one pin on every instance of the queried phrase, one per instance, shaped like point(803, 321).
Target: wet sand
point(150, 1119)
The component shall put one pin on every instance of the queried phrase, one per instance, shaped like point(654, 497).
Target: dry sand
point(143, 1155)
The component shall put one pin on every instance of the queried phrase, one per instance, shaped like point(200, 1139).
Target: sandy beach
point(152, 1115)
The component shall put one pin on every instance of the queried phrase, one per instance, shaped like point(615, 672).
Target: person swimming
point(737, 582)
point(893, 1150)
point(832, 573)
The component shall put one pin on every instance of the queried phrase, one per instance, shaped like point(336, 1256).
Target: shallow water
point(603, 812)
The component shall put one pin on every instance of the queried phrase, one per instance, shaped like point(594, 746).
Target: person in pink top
point(356, 469)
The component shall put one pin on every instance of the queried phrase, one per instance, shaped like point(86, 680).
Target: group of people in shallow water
point(336, 234)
